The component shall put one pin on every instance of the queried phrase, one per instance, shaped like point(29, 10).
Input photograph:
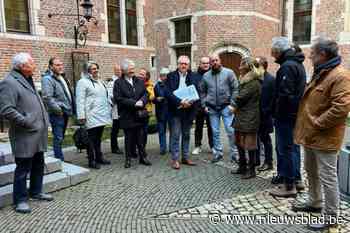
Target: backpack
point(81, 138)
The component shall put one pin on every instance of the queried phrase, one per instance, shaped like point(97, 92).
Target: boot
point(127, 162)
point(242, 164)
point(145, 161)
point(285, 191)
point(94, 165)
point(252, 161)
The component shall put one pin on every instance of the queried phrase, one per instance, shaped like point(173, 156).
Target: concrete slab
point(7, 171)
point(77, 174)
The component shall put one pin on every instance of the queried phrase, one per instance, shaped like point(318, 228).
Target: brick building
point(155, 32)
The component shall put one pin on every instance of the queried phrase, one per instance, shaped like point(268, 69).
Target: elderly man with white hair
point(21, 104)
point(181, 112)
point(290, 84)
point(130, 94)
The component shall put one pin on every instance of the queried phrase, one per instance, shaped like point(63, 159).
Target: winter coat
point(55, 96)
point(324, 108)
point(126, 96)
point(93, 103)
point(22, 106)
point(219, 90)
point(110, 86)
point(266, 103)
point(290, 84)
point(161, 105)
point(247, 117)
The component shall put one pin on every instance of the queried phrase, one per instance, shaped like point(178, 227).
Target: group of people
point(251, 105)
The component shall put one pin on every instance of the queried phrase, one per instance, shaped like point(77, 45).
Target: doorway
point(231, 60)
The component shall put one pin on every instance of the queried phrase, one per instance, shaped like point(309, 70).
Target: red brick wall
point(60, 27)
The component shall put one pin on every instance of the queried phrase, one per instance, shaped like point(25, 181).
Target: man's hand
point(206, 110)
point(186, 104)
point(232, 109)
point(160, 98)
point(139, 104)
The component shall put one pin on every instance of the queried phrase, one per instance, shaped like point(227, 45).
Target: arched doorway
point(231, 55)
point(231, 60)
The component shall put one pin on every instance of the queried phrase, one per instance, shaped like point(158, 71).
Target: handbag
point(142, 114)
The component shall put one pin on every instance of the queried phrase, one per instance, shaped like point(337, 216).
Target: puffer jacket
point(93, 103)
point(290, 85)
point(247, 118)
point(219, 90)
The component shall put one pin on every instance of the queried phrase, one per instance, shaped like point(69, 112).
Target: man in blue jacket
point(59, 102)
point(290, 84)
point(181, 112)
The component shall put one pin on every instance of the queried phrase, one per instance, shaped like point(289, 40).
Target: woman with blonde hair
point(247, 114)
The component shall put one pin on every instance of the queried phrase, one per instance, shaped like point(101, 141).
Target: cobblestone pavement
point(154, 199)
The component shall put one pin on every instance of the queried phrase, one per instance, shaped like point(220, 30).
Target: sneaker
point(216, 159)
point(197, 151)
point(265, 167)
point(303, 207)
point(42, 197)
point(299, 185)
point(23, 208)
point(277, 180)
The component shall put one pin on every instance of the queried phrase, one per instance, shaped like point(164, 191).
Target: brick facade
point(241, 26)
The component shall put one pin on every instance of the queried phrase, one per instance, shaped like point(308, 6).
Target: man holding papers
point(182, 95)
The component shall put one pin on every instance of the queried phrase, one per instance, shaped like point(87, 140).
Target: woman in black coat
point(130, 95)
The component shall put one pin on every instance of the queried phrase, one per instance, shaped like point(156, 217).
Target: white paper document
point(187, 93)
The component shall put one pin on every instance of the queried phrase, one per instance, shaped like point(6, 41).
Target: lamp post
point(80, 28)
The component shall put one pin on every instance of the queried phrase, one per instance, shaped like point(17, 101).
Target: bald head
point(215, 62)
point(204, 63)
point(117, 70)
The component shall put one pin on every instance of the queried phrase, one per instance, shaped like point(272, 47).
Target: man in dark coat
point(21, 105)
point(290, 84)
point(202, 116)
point(181, 112)
point(266, 122)
point(129, 93)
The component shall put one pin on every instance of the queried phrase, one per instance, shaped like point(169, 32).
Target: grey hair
point(20, 59)
point(88, 65)
point(280, 44)
point(124, 65)
point(183, 57)
point(326, 45)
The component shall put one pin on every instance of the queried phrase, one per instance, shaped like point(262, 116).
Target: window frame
point(302, 12)
point(182, 45)
point(3, 22)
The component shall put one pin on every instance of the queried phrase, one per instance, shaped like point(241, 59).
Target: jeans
point(162, 125)
point(58, 125)
point(179, 126)
point(288, 153)
point(321, 169)
point(114, 135)
point(24, 166)
point(94, 150)
point(227, 117)
point(198, 132)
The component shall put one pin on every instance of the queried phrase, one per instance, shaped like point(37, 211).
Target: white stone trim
point(123, 21)
point(140, 23)
point(2, 17)
point(104, 16)
point(220, 13)
point(243, 51)
point(33, 12)
point(68, 41)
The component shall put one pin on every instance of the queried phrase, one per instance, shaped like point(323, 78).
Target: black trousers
point(24, 166)
point(134, 137)
point(198, 132)
point(95, 137)
point(114, 135)
point(265, 138)
point(243, 160)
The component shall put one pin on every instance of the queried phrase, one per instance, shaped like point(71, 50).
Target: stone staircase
point(58, 175)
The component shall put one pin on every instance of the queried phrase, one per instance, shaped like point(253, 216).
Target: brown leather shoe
point(188, 162)
point(175, 164)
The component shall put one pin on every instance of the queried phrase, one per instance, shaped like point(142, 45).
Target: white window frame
point(140, 23)
point(33, 17)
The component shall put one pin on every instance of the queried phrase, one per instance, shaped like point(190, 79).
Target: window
point(302, 21)
point(183, 41)
point(113, 9)
point(16, 16)
point(122, 22)
point(131, 22)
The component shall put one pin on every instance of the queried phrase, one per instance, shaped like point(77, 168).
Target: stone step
point(7, 171)
point(69, 176)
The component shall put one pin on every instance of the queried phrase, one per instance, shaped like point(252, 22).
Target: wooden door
point(231, 60)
